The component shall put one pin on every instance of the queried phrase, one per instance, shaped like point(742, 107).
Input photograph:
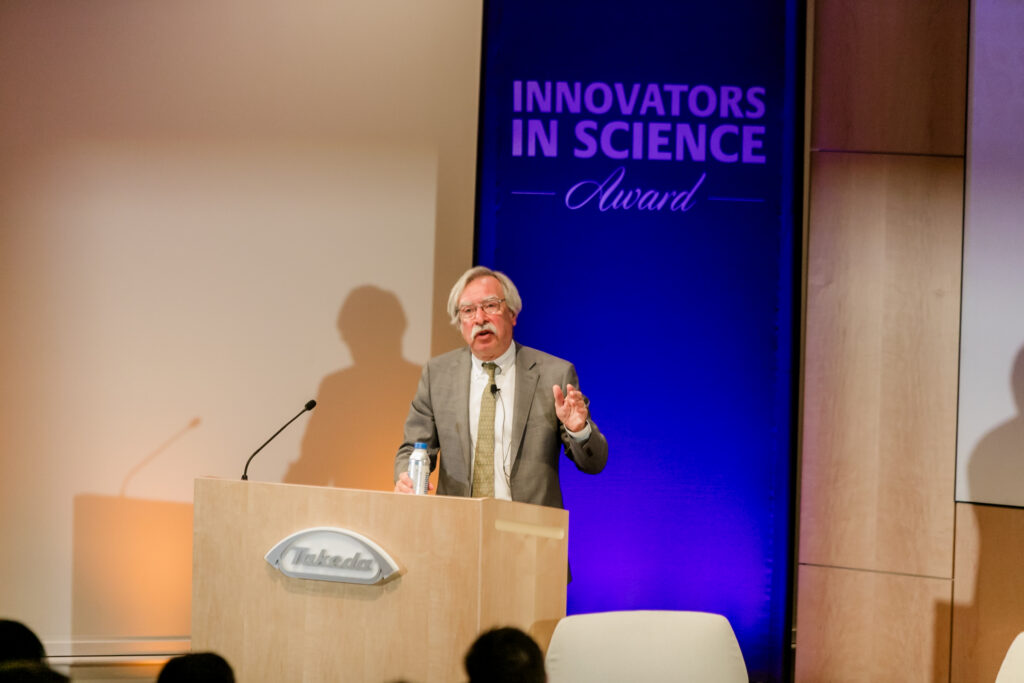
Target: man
point(505, 655)
point(498, 412)
point(19, 643)
point(197, 667)
point(22, 656)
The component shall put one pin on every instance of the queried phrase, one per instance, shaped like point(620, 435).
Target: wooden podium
point(466, 565)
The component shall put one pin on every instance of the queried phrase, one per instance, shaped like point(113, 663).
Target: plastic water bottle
point(419, 468)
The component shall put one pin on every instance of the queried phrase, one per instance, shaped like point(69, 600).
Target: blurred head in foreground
point(197, 667)
point(505, 655)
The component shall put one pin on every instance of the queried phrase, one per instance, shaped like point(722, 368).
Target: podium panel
point(465, 565)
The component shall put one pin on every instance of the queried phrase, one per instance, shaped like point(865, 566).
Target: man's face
point(488, 335)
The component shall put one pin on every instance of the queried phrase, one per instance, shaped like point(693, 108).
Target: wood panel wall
point(885, 225)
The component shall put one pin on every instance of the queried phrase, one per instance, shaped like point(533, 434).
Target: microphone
point(309, 406)
point(494, 390)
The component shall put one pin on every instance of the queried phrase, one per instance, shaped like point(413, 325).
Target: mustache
point(484, 327)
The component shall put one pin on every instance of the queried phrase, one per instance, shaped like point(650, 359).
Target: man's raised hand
point(570, 408)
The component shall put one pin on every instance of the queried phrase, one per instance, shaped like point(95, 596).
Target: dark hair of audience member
point(25, 671)
point(505, 655)
point(197, 667)
point(18, 643)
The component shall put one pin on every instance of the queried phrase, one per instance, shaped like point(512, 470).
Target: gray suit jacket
point(439, 416)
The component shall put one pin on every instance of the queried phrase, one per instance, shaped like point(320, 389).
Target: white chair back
point(645, 647)
point(1012, 670)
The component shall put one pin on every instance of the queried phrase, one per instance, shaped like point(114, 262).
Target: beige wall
point(210, 213)
point(879, 594)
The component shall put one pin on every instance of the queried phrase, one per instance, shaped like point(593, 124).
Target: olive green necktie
point(483, 457)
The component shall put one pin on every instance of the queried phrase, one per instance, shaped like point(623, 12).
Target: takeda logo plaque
point(332, 554)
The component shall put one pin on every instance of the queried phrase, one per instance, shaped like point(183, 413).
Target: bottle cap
point(419, 444)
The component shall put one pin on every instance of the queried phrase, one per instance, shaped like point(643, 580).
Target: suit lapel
point(460, 390)
point(527, 377)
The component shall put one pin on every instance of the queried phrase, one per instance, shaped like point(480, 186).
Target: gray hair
point(512, 300)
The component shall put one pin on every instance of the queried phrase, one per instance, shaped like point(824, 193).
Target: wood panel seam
point(830, 150)
point(875, 571)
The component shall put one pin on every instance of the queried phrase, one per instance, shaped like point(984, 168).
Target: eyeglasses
point(488, 306)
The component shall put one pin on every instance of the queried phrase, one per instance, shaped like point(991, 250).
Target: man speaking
point(498, 412)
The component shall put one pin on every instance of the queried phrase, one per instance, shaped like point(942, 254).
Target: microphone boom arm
point(309, 406)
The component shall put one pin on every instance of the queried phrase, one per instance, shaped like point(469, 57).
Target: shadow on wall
point(996, 468)
point(988, 600)
point(353, 435)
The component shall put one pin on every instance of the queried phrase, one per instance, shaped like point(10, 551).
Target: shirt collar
point(505, 361)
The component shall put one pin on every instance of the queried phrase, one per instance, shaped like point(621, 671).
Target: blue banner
point(637, 181)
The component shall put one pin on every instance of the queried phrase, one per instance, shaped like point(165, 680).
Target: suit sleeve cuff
point(581, 435)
